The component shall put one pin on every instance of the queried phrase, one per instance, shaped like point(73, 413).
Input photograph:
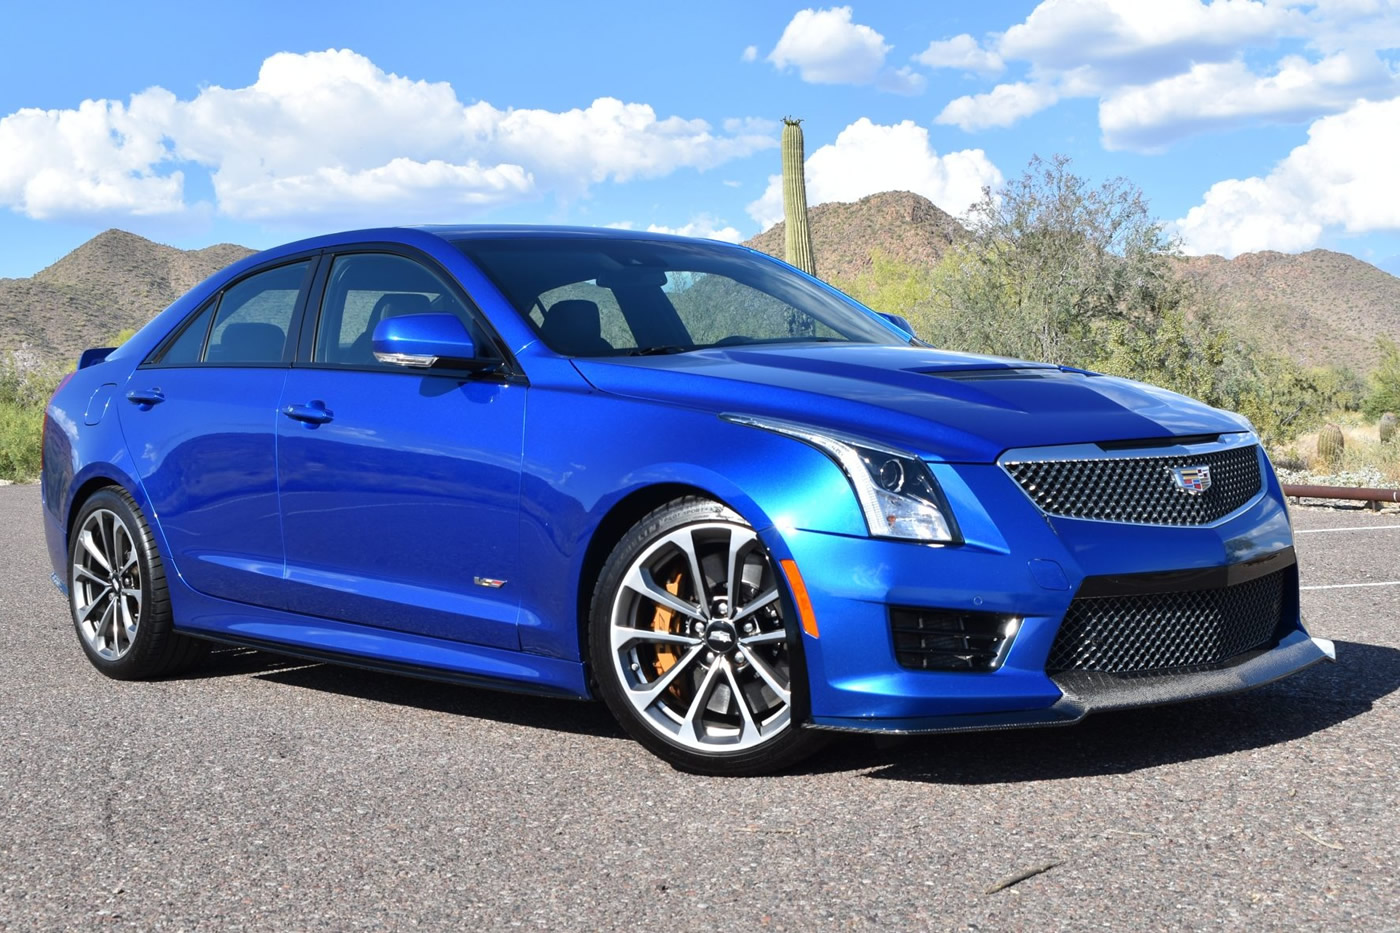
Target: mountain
point(904, 225)
point(1319, 307)
point(115, 281)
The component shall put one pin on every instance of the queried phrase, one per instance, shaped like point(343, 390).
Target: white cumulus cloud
point(1132, 40)
point(826, 47)
point(869, 157)
point(1166, 69)
point(705, 226)
point(330, 134)
point(962, 52)
point(1217, 95)
point(100, 159)
point(1003, 105)
point(1343, 178)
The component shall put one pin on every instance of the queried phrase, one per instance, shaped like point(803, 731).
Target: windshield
point(612, 296)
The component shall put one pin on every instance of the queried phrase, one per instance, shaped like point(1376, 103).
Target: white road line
point(1317, 531)
point(1347, 586)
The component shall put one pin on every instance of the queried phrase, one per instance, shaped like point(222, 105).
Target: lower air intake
point(947, 640)
point(1167, 631)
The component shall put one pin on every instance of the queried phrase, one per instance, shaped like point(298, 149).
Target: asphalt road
point(267, 794)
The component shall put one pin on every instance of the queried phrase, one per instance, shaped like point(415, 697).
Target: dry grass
point(1365, 461)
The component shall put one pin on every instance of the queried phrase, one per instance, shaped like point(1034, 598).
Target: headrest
point(249, 343)
point(397, 304)
point(574, 326)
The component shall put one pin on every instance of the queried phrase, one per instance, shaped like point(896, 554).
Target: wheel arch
point(615, 523)
point(90, 482)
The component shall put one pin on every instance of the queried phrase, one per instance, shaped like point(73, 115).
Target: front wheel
point(690, 646)
point(118, 595)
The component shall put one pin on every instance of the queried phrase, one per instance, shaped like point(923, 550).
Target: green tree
point(1055, 268)
point(892, 286)
point(1053, 263)
point(24, 393)
point(1385, 381)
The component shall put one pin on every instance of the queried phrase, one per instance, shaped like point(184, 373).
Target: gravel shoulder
point(269, 794)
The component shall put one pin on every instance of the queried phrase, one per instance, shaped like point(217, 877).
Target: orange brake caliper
point(665, 620)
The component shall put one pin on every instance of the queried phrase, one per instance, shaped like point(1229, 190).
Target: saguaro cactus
point(797, 239)
point(1387, 427)
point(1331, 443)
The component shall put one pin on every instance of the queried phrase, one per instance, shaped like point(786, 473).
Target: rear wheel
point(117, 593)
point(690, 646)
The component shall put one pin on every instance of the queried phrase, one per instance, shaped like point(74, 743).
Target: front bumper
point(1083, 694)
point(1024, 565)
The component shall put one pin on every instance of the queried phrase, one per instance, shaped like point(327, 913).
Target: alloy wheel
point(698, 639)
point(106, 585)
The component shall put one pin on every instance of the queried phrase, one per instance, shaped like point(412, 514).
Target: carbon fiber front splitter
point(1086, 693)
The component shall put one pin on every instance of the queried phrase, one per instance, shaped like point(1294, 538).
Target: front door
point(400, 488)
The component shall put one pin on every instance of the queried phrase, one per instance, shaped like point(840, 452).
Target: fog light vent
point(949, 640)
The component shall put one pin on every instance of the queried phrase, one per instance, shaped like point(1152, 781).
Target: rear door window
point(255, 316)
point(188, 348)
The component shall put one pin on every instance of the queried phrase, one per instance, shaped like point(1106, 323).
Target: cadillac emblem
point(1192, 480)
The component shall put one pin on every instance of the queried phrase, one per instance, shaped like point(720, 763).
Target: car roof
point(459, 233)
point(505, 231)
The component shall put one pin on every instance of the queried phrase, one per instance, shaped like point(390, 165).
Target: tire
point(122, 618)
point(704, 683)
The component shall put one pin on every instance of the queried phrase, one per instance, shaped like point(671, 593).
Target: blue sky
point(1249, 124)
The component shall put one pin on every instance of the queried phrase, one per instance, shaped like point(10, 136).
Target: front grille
point(1167, 631)
point(948, 640)
point(1141, 490)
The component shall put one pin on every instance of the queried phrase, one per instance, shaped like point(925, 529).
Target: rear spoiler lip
point(94, 355)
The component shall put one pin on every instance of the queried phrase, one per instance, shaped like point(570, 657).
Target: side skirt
point(373, 648)
point(385, 666)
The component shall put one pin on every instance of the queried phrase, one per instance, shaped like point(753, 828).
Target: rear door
point(400, 488)
point(199, 417)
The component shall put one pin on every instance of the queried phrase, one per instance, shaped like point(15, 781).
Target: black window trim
point(289, 347)
point(510, 370)
point(155, 359)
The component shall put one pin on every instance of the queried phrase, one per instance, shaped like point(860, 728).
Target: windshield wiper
point(659, 351)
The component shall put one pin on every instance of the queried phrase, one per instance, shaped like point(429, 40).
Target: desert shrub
point(1059, 270)
point(1384, 392)
point(24, 393)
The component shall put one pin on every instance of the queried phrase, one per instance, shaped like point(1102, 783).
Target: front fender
point(573, 479)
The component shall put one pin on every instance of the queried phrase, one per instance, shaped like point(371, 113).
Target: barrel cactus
point(797, 238)
point(1331, 444)
point(1387, 427)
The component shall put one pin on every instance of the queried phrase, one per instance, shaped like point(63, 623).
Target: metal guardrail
point(1356, 493)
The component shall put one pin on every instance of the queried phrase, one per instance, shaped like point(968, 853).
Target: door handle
point(310, 413)
point(145, 397)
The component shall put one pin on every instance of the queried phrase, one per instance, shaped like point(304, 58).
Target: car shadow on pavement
point(1129, 740)
point(453, 699)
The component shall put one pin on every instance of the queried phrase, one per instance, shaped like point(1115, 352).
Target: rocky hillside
point(115, 281)
point(1319, 306)
point(904, 225)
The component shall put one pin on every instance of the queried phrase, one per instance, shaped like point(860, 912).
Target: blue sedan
point(678, 476)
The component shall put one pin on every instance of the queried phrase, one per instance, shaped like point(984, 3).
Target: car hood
point(940, 405)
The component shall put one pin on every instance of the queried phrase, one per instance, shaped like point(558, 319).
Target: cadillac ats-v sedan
point(678, 476)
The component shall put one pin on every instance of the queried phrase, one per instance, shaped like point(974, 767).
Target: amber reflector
point(799, 596)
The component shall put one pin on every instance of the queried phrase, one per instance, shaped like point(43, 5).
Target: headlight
point(897, 494)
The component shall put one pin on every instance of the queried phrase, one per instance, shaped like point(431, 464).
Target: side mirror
point(423, 340)
point(899, 322)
